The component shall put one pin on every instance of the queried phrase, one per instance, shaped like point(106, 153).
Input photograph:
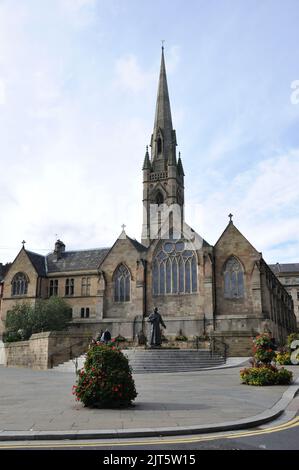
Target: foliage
point(266, 375)
point(18, 323)
point(119, 339)
point(283, 356)
point(106, 378)
point(181, 337)
point(292, 337)
point(52, 314)
point(12, 337)
point(263, 348)
point(46, 315)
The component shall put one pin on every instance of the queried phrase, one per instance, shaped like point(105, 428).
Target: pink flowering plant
point(262, 370)
point(106, 379)
point(263, 348)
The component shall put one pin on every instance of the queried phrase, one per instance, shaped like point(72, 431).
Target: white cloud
point(2, 92)
point(130, 76)
point(80, 12)
point(265, 204)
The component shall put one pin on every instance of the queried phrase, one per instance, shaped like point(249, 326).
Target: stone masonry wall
point(45, 350)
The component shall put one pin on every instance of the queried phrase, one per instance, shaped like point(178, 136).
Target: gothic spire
point(146, 163)
point(163, 138)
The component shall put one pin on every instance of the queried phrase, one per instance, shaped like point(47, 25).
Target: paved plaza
point(34, 401)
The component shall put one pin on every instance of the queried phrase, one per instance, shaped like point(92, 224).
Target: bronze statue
point(155, 319)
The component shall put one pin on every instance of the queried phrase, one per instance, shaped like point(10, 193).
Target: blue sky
point(78, 84)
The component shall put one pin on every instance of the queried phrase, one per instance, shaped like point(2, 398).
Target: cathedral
point(226, 291)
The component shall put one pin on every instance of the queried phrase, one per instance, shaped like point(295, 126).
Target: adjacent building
point(288, 275)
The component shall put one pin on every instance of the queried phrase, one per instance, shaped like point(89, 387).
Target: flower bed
point(266, 375)
point(262, 371)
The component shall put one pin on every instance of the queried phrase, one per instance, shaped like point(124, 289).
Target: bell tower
point(163, 174)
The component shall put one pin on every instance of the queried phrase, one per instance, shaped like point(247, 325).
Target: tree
point(46, 315)
point(18, 322)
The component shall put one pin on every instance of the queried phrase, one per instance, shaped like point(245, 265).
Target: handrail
point(67, 348)
point(214, 342)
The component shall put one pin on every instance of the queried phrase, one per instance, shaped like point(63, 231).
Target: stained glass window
point(174, 269)
point(122, 284)
point(233, 279)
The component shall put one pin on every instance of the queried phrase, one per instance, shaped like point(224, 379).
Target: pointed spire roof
point(163, 119)
point(163, 139)
point(180, 166)
point(146, 163)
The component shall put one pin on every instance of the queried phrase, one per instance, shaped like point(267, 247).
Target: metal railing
point(218, 346)
point(69, 355)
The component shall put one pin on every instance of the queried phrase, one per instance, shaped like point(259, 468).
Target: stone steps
point(159, 360)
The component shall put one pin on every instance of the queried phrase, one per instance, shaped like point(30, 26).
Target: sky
point(78, 85)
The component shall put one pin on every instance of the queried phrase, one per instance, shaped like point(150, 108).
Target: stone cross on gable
point(123, 227)
point(230, 217)
point(23, 243)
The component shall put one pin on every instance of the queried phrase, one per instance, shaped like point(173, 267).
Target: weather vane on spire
point(162, 41)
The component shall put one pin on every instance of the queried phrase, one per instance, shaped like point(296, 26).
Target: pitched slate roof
point(38, 262)
point(137, 245)
point(76, 260)
point(284, 268)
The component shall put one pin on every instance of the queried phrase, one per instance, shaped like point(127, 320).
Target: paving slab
point(37, 402)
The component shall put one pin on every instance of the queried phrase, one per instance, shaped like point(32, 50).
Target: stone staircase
point(159, 360)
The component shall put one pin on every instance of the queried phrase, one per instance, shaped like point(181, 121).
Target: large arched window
point(233, 279)
point(122, 284)
point(174, 269)
point(19, 284)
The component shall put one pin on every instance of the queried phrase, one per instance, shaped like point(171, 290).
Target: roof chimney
point(59, 249)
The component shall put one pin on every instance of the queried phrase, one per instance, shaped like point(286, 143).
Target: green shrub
point(12, 337)
point(181, 337)
point(283, 357)
point(292, 337)
point(284, 376)
point(119, 339)
point(18, 323)
point(46, 315)
point(106, 379)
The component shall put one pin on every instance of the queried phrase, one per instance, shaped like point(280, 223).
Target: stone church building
point(226, 291)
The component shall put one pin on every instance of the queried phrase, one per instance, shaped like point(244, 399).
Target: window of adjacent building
point(233, 279)
point(53, 288)
point(85, 312)
point(85, 286)
point(122, 284)
point(69, 286)
point(174, 269)
point(19, 284)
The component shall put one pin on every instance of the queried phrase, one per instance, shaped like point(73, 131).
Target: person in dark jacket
point(106, 336)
